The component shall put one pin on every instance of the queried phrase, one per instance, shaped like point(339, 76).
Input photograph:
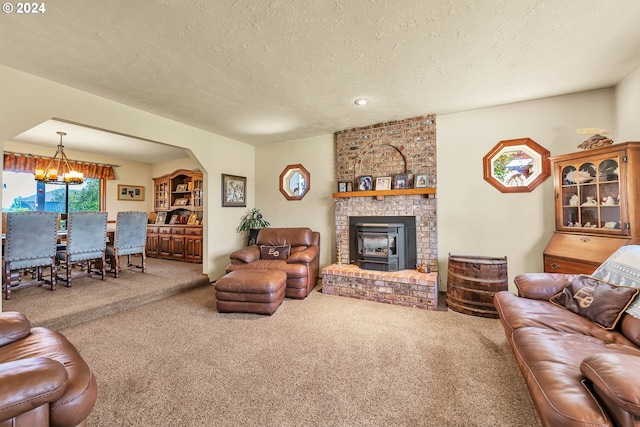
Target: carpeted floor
point(91, 298)
point(322, 361)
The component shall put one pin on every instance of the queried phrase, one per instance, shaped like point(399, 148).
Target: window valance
point(16, 162)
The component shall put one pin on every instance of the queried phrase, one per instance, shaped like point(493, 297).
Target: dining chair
point(30, 242)
point(130, 239)
point(86, 242)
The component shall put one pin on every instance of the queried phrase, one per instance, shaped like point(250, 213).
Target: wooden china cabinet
point(597, 206)
point(178, 200)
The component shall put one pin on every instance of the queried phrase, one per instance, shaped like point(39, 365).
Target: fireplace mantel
point(379, 194)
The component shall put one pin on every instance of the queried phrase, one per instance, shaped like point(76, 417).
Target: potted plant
point(252, 223)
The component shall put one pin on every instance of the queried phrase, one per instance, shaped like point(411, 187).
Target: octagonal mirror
point(295, 182)
point(516, 165)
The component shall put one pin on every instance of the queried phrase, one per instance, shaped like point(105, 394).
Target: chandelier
point(59, 170)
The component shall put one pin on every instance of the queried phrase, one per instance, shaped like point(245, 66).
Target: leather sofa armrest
point(615, 379)
point(29, 383)
point(541, 286)
point(304, 257)
point(245, 255)
point(13, 327)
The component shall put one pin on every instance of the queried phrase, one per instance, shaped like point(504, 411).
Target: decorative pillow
point(598, 301)
point(623, 268)
point(275, 252)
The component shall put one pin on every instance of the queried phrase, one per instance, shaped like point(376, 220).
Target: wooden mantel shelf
point(379, 194)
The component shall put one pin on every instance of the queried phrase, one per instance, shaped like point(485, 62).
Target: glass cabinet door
point(590, 194)
point(161, 196)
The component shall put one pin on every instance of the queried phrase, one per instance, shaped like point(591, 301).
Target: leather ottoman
point(251, 291)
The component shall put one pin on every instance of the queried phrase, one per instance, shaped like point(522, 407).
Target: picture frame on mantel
point(131, 192)
point(383, 183)
point(234, 191)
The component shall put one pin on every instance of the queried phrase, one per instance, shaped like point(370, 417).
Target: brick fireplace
point(387, 149)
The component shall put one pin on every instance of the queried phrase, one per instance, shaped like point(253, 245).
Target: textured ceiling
point(262, 71)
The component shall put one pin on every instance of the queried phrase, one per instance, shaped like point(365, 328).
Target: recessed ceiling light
point(360, 101)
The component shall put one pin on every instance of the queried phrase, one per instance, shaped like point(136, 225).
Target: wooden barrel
point(473, 281)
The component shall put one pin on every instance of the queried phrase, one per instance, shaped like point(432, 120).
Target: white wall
point(316, 209)
point(28, 101)
point(628, 108)
point(476, 219)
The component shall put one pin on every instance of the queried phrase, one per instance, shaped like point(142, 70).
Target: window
point(22, 193)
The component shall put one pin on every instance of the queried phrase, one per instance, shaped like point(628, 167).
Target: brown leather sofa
point(43, 379)
point(577, 373)
point(302, 265)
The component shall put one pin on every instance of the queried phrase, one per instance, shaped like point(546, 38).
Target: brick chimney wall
point(387, 149)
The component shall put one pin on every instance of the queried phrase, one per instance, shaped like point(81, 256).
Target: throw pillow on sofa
point(601, 302)
point(623, 268)
point(275, 252)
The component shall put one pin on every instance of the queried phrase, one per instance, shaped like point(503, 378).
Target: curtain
point(27, 163)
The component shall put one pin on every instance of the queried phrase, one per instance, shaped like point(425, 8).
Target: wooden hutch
point(178, 200)
point(597, 205)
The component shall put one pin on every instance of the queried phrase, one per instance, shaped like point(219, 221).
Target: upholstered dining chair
point(30, 242)
point(86, 242)
point(130, 239)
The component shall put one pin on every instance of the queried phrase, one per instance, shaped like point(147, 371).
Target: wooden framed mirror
point(295, 182)
point(517, 165)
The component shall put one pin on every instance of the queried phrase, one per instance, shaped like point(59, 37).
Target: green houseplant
point(252, 223)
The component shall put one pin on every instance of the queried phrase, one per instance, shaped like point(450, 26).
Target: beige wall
point(473, 217)
point(28, 101)
point(476, 219)
point(316, 209)
point(628, 108)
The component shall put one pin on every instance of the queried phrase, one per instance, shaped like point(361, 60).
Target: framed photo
point(400, 181)
point(234, 191)
point(342, 187)
point(174, 219)
point(130, 192)
point(383, 183)
point(182, 188)
point(192, 219)
point(349, 186)
point(420, 181)
point(365, 183)
point(161, 218)
point(181, 202)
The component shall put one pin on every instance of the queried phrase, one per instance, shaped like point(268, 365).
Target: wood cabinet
point(178, 242)
point(182, 189)
point(179, 198)
point(597, 196)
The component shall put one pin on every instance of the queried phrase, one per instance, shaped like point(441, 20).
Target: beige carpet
point(322, 361)
point(90, 298)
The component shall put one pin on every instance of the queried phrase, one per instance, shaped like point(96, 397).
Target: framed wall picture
point(400, 181)
point(365, 183)
point(130, 192)
point(420, 181)
point(234, 191)
point(383, 183)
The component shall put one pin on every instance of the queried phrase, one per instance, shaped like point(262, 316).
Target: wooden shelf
point(381, 193)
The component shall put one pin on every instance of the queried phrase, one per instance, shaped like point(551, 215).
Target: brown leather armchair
point(302, 265)
point(45, 381)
